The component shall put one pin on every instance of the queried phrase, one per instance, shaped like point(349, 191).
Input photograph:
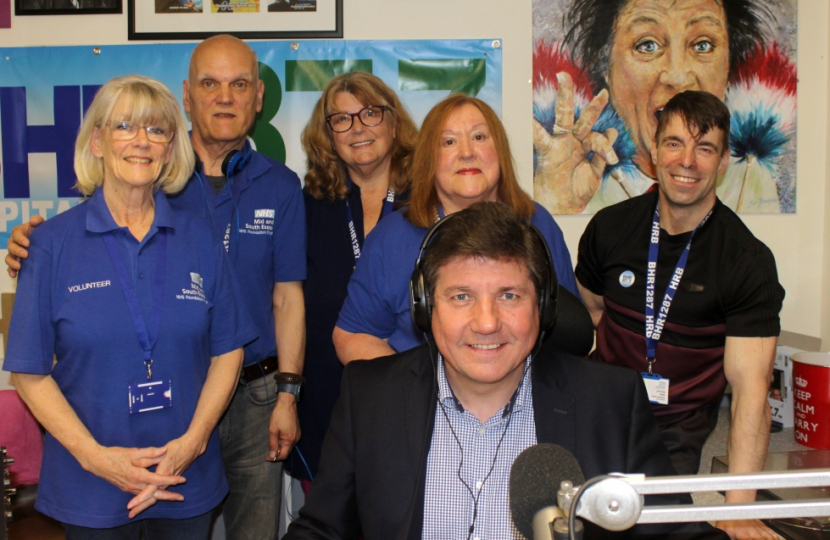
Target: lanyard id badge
point(657, 388)
point(388, 205)
point(147, 395)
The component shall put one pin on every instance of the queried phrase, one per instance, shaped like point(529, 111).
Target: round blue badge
point(627, 278)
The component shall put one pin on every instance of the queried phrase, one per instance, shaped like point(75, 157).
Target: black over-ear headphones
point(421, 308)
point(236, 160)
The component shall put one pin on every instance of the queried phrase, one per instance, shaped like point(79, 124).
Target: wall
point(798, 240)
point(824, 256)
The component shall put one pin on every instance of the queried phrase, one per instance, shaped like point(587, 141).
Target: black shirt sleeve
point(589, 265)
point(755, 296)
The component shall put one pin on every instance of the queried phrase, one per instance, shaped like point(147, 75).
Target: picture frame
point(67, 7)
point(245, 19)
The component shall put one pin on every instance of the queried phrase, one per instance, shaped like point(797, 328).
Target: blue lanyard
point(146, 335)
point(387, 209)
point(654, 328)
point(226, 239)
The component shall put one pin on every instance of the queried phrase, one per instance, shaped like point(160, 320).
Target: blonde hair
point(326, 176)
point(138, 100)
point(424, 200)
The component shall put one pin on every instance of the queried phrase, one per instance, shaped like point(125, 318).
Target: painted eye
point(647, 46)
point(122, 126)
point(704, 46)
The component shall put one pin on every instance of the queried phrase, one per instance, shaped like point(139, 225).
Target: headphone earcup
point(230, 162)
point(419, 305)
point(547, 305)
point(548, 299)
point(235, 161)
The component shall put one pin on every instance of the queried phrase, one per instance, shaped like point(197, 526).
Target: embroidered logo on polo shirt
point(195, 292)
point(90, 285)
point(263, 222)
point(627, 278)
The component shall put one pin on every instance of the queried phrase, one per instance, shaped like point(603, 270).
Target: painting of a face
point(661, 48)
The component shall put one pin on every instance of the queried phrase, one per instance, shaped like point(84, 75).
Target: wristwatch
point(290, 383)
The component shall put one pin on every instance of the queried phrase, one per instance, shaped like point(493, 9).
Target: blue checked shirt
point(448, 505)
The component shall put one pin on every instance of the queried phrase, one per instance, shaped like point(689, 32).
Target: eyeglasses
point(125, 131)
point(370, 116)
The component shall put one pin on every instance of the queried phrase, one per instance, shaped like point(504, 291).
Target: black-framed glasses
point(370, 116)
point(125, 131)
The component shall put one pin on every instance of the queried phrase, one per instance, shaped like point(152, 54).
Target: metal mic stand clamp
point(559, 527)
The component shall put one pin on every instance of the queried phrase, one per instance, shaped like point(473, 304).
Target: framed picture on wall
point(245, 19)
point(66, 7)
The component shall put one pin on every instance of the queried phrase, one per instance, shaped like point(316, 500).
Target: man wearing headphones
point(256, 205)
point(421, 443)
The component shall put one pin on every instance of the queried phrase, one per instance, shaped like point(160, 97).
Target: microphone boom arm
point(616, 502)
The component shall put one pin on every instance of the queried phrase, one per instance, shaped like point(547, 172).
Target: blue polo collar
point(99, 219)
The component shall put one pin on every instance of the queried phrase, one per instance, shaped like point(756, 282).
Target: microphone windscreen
point(534, 480)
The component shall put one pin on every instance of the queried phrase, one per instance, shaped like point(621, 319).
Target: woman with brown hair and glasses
point(359, 143)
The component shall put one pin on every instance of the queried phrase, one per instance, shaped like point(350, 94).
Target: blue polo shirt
point(378, 300)
point(70, 304)
point(261, 216)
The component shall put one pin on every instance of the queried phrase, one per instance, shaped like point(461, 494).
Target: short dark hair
point(700, 111)
point(486, 230)
point(590, 33)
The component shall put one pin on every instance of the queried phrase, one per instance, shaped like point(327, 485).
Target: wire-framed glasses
point(125, 131)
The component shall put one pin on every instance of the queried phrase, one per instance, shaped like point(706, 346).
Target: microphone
point(535, 478)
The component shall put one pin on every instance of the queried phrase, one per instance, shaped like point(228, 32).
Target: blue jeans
point(251, 511)
point(195, 528)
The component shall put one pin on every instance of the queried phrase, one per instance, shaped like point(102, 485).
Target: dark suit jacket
point(373, 467)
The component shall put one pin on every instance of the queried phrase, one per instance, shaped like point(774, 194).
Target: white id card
point(657, 388)
point(150, 396)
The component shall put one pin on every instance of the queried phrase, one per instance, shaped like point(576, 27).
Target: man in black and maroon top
point(681, 291)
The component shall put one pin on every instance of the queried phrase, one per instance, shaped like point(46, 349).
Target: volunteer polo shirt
point(70, 304)
point(260, 216)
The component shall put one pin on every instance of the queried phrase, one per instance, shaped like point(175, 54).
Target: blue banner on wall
point(45, 90)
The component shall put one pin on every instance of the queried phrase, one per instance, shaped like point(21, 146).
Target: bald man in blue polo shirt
point(256, 206)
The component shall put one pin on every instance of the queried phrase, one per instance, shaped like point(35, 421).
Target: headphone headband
point(420, 305)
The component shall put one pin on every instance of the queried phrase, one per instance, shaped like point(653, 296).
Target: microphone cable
point(475, 497)
point(575, 503)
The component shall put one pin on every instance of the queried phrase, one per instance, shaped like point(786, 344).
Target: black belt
point(260, 369)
